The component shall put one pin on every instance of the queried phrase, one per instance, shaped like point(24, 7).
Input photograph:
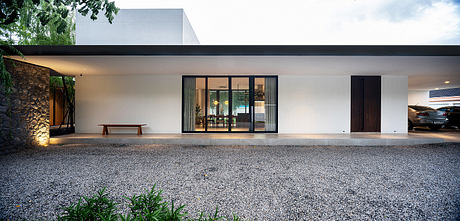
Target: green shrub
point(211, 217)
point(215, 216)
point(148, 206)
point(97, 207)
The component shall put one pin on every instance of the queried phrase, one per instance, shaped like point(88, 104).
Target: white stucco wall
point(419, 97)
point(188, 34)
point(394, 104)
point(422, 98)
point(321, 104)
point(307, 104)
point(314, 104)
point(136, 27)
point(151, 99)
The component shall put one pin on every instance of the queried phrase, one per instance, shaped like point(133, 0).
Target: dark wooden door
point(365, 103)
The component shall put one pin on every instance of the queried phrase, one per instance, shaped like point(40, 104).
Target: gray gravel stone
point(260, 183)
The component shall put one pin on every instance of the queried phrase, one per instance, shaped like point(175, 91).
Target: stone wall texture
point(24, 114)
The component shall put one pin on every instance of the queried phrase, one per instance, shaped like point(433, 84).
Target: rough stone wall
point(24, 114)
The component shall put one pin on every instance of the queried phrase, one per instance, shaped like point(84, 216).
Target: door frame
point(251, 102)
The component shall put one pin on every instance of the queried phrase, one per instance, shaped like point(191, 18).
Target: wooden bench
point(105, 130)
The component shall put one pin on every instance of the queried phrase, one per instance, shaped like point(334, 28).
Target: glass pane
point(218, 104)
point(240, 104)
point(194, 102)
point(265, 104)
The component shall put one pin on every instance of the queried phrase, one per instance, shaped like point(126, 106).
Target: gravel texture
point(259, 183)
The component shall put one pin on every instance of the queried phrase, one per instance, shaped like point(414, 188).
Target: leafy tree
point(18, 16)
point(28, 30)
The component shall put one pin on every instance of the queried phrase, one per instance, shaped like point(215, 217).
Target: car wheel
point(435, 127)
point(410, 126)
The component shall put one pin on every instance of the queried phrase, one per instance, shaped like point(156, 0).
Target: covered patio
point(311, 102)
point(355, 139)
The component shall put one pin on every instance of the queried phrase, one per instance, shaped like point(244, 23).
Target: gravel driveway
point(261, 183)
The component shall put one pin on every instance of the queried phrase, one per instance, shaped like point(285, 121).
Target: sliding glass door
point(193, 104)
point(241, 118)
point(265, 104)
point(229, 104)
point(218, 117)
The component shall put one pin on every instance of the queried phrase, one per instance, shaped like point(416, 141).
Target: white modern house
point(147, 68)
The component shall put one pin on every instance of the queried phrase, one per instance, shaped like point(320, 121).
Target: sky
point(317, 22)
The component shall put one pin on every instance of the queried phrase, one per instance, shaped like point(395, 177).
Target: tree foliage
point(56, 10)
point(42, 22)
point(28, 30)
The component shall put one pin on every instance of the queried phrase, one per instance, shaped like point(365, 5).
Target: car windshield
point(421, 108)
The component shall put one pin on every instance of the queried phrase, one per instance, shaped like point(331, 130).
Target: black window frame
point(251, 102)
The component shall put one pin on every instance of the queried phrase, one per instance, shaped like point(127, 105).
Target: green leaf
point(61, 27)
point(64, 13)
point(83, 11)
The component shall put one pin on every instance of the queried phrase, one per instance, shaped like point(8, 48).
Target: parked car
point(425, 116)
point(453, 115)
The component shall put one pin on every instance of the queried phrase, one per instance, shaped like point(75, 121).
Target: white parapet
point(137, 27)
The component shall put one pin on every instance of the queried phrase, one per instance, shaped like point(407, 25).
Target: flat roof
point(241, 50)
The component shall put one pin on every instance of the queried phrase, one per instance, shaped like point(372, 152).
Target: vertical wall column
point(24, 114)
point(394, 104)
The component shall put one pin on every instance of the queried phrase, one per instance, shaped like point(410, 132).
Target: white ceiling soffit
point(425, 72)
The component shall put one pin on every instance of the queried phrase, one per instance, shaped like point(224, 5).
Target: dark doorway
point(365, 103)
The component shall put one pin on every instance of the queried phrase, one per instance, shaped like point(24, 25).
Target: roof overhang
point(241, 50)
point(426, 66)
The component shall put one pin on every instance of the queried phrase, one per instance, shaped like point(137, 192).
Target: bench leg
point(105, 131)
point(139, 130)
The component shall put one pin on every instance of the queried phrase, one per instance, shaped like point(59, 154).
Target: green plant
point(28, 28)
point(176, 214)
point(236, 218)
point(6, 82)
point(148, 206)
point(65, 84)
point(24, 21)
point(211, 217)
point(56, 82)
point(97, 207)
point(198, 118)
point(197, 110)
